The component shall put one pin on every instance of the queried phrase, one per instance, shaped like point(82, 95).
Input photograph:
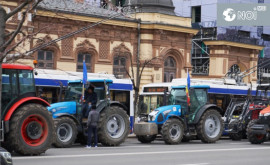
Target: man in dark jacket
point(90, 99)
point(92, 124)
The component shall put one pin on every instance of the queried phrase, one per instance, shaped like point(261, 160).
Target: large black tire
point(31, 130)
point(146, 138)
point(113, 127)
point(236, 136)
point(210, 122)
point(254, 138)
point(66, 132)
point(172, 131)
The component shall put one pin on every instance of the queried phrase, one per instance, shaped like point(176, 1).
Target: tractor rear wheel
point(146, 138)
point(113, 127)
point(66, 132)
point(210, 126)
point(172, 131)
point(31, 130)
point(254, 138)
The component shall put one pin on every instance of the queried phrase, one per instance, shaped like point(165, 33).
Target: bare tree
point(135, 73)
point(7, 44)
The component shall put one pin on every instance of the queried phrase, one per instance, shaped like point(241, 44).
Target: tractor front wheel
point(31, 130)
point(172, 131)
point(254, 138)
point(66, 132)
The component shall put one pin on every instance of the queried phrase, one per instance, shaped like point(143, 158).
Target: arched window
point(169, 69)
point(45, 59)
point(119, 67)
point(87, 57)
point(234, 71)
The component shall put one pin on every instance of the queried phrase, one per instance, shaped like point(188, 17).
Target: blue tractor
point(70, 124)
point(178, 122)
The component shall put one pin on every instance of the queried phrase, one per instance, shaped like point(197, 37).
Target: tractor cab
point(16, 84)
point(198, 98)
point(72, 104)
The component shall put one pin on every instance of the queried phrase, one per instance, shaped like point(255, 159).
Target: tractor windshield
point(178, 97)
point(74, 91)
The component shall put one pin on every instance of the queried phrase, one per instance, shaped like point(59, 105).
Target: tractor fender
point(59, 115)
point(104, 104)
point(117, 103)
point(204, 109)
point(36, 100)
point(179, 118)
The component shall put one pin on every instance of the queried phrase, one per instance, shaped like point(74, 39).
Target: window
point(9, 87)
point(118, 2)
point(196, 14)
point(87, 57)
point(234, 71)
point(266, 37)
point(45, 59)
point(169, 69)
point(119, 67)
point(26, 80)
point(244, 34)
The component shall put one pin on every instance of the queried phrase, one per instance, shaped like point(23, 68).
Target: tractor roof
point(16, 66)
point(193, 86)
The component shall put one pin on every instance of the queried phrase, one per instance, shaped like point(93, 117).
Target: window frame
point(88, 64)
point(45, 61)
point(119, 73)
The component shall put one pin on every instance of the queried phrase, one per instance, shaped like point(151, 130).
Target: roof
point(70, 6)
point(16, 66)
point(153, 6)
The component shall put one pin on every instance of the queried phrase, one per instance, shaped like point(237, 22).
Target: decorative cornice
point(234, 44)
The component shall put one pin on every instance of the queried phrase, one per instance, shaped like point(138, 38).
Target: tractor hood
point(62, 108)
point(161, 114)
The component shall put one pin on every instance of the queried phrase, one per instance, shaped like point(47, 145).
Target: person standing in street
point(92, 124)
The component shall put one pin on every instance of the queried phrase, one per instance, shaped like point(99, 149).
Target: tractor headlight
point(6, 156)
point(152, 116)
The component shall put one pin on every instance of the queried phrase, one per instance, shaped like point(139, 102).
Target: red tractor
point(26, 125)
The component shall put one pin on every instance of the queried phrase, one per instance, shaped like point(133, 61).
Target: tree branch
point(15, 32)
point(17, 44)
point(17, 9)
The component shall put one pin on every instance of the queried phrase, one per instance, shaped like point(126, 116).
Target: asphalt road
point(224, 152)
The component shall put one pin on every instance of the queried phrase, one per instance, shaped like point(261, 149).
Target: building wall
point(165, 36)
